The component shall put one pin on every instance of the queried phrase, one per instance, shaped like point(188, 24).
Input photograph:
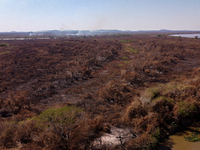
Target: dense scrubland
point(66, 93)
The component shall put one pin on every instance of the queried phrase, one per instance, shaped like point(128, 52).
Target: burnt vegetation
point(66, 93)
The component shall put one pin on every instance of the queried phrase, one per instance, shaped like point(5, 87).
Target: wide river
point(186, 35)
point(30, 38)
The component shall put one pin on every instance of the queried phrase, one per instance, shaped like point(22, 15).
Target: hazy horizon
point(37, 15)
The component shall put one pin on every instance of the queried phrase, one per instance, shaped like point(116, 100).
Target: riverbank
point(189, 139)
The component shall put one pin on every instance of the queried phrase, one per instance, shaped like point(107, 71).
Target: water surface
point(178, 142)
point(187, 35)
point(24, 38)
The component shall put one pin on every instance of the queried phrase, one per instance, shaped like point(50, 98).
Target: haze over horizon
point(37, 15)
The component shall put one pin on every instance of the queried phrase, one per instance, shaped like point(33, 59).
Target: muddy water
point(178, 142)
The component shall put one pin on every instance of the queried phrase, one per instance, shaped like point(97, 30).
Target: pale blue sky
point(36, 15)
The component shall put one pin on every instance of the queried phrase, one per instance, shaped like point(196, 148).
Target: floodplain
point(124, 91)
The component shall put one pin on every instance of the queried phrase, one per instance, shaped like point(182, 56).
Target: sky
point(38, 15)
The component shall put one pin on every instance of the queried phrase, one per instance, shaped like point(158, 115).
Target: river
point(30, 38)
point(187, 35)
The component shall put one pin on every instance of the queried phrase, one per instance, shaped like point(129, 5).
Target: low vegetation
point(194, 137)
point(6, 52)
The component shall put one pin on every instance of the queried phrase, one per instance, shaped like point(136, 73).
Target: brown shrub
point(16, 101)
point(123, 75)
point(31, 146)
point(1, 102)
point(134, 110)
point(196, 72)
point(97, 124)
point(130, 76)
point(7, 134)
point(162, 105)
point(51, 140)
point(86, 73)
point(143, 141)
point(115, 92)
point(153, 123)
point(26, 131)
point(88, 96)
point(86, 131)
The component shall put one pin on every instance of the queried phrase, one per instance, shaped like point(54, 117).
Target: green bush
point(194, 137)
point(3, 44)
point(124, 41)
point(127, 62)
point(133, 51)
point(156, 138)
point(151, 93)
point(56, 126)
point(186, 108)
point(6, 52)
point(124, 58)
point(63, 115)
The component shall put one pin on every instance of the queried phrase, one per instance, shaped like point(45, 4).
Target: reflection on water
point(187, 35)
point(178, 142)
